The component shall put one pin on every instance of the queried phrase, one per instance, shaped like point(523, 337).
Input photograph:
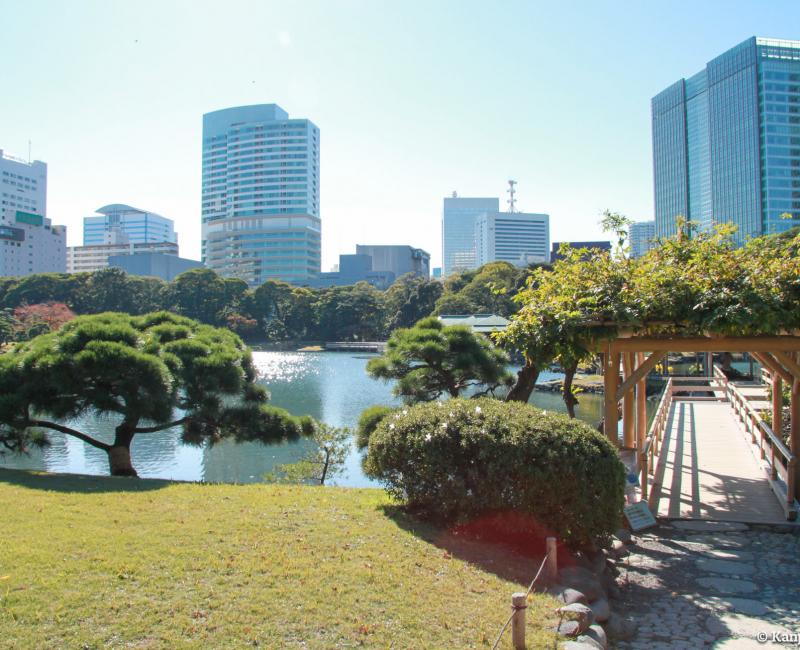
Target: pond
point(330, 386)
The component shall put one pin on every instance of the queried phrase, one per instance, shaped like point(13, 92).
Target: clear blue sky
point(414, 99)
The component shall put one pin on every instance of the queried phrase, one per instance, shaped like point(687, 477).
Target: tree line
point(273, 312)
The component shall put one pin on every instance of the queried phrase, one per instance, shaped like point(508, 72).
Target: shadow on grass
point(78, 482)
point(507, 545)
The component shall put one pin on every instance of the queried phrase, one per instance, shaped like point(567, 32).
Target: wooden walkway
point(706, 469)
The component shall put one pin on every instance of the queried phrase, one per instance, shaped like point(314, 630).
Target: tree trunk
point(119, 454)
point(526, 382)
point(569, 399)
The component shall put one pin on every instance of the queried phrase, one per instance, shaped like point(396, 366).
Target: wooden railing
point(780, 462)
point(652, 442)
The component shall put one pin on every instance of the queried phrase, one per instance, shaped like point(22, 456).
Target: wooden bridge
point(708, 453)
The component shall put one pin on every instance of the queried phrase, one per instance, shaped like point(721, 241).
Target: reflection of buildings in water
point(247, 462)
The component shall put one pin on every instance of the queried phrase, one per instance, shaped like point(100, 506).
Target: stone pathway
point(695, 584)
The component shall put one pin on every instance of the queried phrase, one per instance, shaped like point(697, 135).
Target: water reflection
point(329, 386)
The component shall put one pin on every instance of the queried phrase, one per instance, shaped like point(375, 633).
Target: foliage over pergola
point(695, 284)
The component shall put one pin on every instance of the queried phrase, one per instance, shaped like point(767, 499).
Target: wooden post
point(709, 364)
point(519, 603)
point(794, 436)
point(641, 411)
point(628, 404)
point(777, 403)
point(610, 384)
point(551, 564)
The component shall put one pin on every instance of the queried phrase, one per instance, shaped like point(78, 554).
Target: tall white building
point(641, 235)
point(29, 242)
point(519, 238)
point(260, 200)
point(458, 231)
point(119, 223)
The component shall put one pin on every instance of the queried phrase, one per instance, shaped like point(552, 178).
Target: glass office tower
point(459, 216)
point(260, 205)
point(726, 142)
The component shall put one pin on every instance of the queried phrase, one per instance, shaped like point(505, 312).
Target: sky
point(414, 100)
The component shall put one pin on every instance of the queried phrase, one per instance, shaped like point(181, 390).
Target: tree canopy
point(431, 359)
point(149, 372)
point(696, 283)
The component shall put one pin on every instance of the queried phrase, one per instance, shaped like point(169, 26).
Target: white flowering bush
point(463, 458)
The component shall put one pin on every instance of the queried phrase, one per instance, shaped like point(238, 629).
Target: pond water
point(330, 386)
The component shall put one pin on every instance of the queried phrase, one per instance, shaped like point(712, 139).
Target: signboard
point(639, 516)
point(32, 219)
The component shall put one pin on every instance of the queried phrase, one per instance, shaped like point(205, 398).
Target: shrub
point(465, 459)
point(368, 421)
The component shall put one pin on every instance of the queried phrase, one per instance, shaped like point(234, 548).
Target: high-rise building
point(121, 224)
point(458, 231)
point(726, 142)
point(592, 247)
point(519, 238)
point(398, 260)
point(260, 202)
point(23, 185)
point(640, 236)
point(29, 244)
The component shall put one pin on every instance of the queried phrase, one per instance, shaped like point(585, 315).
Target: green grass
point(101, 562)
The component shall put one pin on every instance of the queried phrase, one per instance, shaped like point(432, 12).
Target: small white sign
point(639, 516)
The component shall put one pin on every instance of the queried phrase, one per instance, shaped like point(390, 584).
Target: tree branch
point(70, 432)
point(161, 427)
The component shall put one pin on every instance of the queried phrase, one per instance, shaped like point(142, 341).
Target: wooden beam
point(640, 373)
point(703, 344)
point(787, 362)
point(628, 406)
point(774, 365)
point(610, 385)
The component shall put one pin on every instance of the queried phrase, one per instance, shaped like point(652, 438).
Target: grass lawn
point(90, 562)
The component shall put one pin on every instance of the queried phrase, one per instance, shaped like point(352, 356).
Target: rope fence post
point(519, 603)
point(551, 566)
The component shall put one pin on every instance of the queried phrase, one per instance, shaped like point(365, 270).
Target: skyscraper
point(519, 238)
point(260, 201)
point(458, 231)
point(726, 142)
point(122, 224)
point(640, 236)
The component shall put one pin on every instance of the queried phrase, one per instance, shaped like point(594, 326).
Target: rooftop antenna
point(455, 194)
point(512, 201)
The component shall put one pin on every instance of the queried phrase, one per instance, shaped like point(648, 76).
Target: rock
point(731, 567)
point(620, 628)
point(580, 613)
point(595, 634)
point(577, 645)
point(569, 628)
point(618, 549)
point(613, 592)
point(743, 626)
point(601, 610)
point(583, 580)
point(566, 595)
point(624, 535)
point(588, 642)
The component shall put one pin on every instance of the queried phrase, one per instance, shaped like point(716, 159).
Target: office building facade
point(397, 260)
point(23, 185)
point(459, 215)
point(641, 236)
point(30, 243)
point(591, 246)
point(726, 142)
point(260, 196)
point(519, 238)
point(155, 265)
point(120, 224)
point(93, 258)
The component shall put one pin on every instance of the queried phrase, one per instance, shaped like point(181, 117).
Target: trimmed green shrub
point(370, 418)
point(464, 459)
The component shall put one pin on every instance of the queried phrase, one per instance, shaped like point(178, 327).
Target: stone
point(589, 642)
point(580, 613)
point(620, 628)
point(703, 526)
point(744, 626)
point(730, 567)
point(728, 585)
point(746, 606)
point(583, 580)
point(578, 645)
point(567, 595)
point(569, 628)
point(730, 554)
point(732, 643)
point(601, 610)
point(624, 535)
point(618, 549)
point(597, 634)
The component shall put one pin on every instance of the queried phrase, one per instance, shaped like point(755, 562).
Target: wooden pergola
point(779, 354)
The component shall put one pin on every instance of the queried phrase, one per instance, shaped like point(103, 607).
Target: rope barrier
point(515, 609)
